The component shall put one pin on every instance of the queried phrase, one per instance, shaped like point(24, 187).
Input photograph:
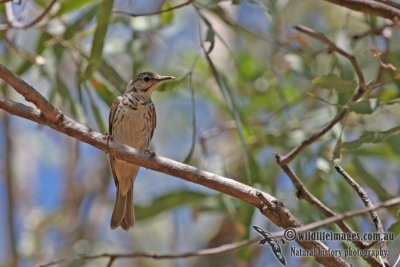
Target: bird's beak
point(165, 78)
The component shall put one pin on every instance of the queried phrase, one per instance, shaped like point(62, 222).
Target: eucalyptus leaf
point(227, 93)
point(371, 137)
point(168, 202)
point(95, 110)
point(68, 6)
point(366, 106)
point(166, 17)
point(332, 81)
point(394, 228)
point(102, 90)
point(370, 180)
point(103, 19)
point(112, 76)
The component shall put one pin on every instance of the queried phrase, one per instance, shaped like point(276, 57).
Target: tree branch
point(268, 205)
point(390, 3)
point(29, 93)
point(314, 137)
point(370, 7)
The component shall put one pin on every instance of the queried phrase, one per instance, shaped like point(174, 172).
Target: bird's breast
point(135, 125)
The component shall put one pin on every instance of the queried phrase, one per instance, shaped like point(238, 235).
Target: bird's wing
point(113, 112)
point(153, 122)
point(112, 159)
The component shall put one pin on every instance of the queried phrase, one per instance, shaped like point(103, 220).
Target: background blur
point(56, 194)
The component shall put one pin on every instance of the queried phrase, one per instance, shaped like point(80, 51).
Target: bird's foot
point(107, 137)
point(149, 153)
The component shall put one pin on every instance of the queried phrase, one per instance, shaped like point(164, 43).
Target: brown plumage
point(132, 122)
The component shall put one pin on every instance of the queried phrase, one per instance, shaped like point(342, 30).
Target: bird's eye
point(146, 79)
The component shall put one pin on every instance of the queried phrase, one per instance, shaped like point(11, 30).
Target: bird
point(132, 121)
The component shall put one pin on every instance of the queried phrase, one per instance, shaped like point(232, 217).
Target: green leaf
point(332, 81)
point(394, 228)
point(210, 36)
point(370, 180)
point(166, 17)
point(102, 90)
point(68, 6)
point(193, 141)
point(366, 106)
point(78, 25)
point(230, 101)
point(65, 93)
point(103, 19)
point(338, 147)
point(249, 67)
point(95, 109)
point(246, 213)
point(390, 93)
point(371, 137)
point(74, 28)
point(372, 20)
point(394, 144)
point(226, 91)
point(112, 76)
point(168, 202)
point(245, 254)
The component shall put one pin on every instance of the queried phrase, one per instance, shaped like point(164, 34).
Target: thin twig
point(203, 252)
point(364, 197)
point(215, 131)
point(155, 12)
point(111, 261)
point(35, 59)
point(383, 57)
point(378, 57)
point(12, 22)
point(374, 31)
point(315, 136)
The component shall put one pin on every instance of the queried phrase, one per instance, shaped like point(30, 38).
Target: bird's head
point(145, 83)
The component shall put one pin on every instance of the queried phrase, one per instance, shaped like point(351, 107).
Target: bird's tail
point(123, 214)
